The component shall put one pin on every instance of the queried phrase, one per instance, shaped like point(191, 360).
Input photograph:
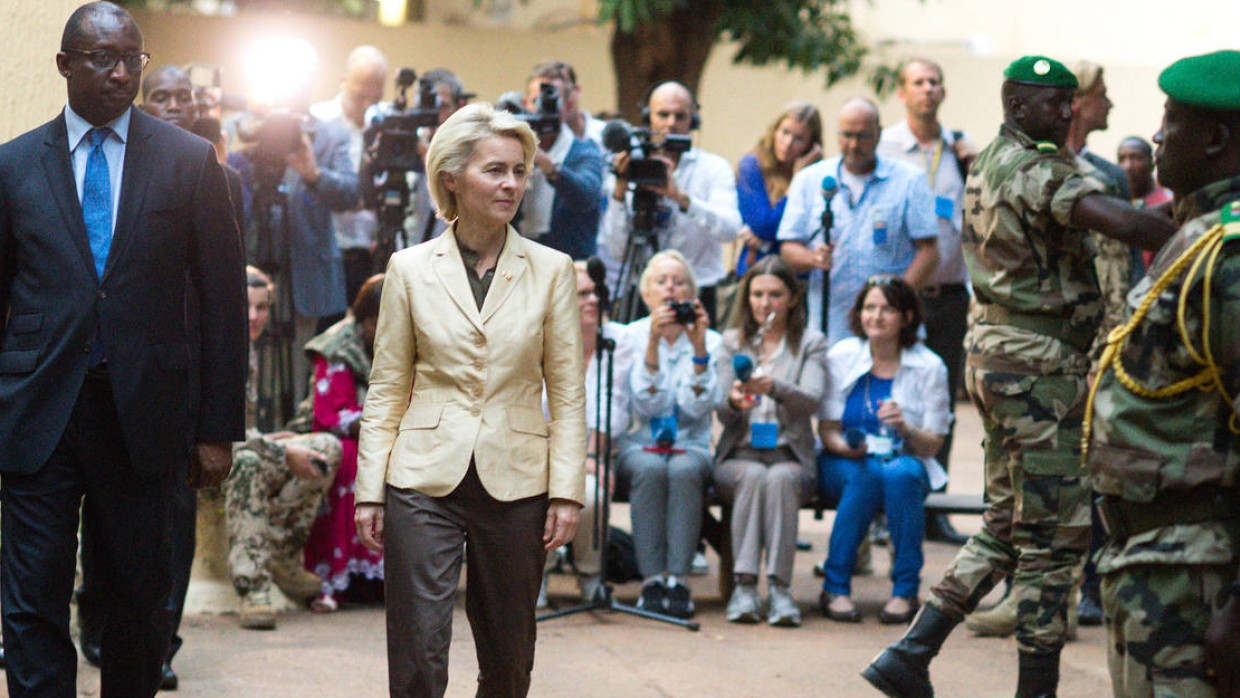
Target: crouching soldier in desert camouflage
point(1162, 427)
point(1027, 211)
point(272, 495)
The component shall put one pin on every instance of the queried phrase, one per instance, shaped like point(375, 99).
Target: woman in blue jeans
point(882, 421)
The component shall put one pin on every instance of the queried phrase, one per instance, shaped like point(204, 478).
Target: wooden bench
point(717, 531)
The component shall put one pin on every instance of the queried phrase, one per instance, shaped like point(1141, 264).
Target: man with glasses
point(104, 212)
point(882, 215)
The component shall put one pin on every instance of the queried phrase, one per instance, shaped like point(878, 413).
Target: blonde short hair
point(675, 256)
point(1087, 74)
point(454, 142)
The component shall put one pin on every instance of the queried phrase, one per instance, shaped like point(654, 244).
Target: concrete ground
point(607, 655)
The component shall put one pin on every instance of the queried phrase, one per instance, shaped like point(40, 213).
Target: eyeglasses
point(105, 60)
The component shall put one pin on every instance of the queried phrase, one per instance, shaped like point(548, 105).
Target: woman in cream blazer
point(454, 445)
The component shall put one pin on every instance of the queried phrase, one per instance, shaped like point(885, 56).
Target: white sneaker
point(699, 566)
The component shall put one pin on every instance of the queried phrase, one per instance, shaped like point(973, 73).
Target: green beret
point(1040, 70)
point(1211, 81)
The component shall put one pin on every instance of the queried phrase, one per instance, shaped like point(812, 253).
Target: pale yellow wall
point(31, 91)
point(1134, 39)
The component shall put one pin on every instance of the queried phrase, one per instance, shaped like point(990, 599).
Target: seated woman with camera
point(883, 418)
point(775, 372)
point(667, 457)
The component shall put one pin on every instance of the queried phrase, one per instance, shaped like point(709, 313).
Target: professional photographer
point(365, 75)
point(301, 165)
point(561, 206)
point(696, 209)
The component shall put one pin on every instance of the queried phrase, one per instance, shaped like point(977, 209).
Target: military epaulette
point(1047, 147)
point(1231, 221)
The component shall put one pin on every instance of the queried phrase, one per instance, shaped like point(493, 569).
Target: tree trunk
point(672, 47)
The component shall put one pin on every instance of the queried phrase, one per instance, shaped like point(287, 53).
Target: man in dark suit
point(103, 212)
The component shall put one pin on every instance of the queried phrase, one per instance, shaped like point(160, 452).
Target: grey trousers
point(665, 504)
point(425, 543)
point(765, 502)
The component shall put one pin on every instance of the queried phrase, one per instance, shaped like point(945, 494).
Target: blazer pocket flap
point(19, 361)
point(422, 417)
point(171, 357)
point(527, 421)
point(21, 324)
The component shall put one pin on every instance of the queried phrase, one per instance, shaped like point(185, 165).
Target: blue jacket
point(575, 210)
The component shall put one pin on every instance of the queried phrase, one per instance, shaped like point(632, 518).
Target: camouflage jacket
point(1032, 271)
point(1144, 448)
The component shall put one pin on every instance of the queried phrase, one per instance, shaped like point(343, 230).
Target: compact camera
point(684, 310)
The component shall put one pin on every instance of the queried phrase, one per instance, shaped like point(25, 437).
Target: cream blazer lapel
point(450, 269)
point(509, 269)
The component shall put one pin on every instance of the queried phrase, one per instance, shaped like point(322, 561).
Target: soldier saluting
point(1027, 212)
point(1162, 427)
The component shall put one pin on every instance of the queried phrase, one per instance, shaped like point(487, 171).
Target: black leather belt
point(936, 290)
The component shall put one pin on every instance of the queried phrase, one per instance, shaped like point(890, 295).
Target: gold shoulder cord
point(1205, 251)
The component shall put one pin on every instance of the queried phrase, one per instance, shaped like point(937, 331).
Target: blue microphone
point(829, 187)
point(742, 366)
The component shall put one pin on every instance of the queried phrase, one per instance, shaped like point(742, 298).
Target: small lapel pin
point(507, 275)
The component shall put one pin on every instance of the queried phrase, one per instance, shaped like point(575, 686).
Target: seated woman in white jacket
point(884, 417)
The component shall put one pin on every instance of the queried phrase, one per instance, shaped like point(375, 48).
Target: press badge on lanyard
point(763, 429)
point(880, 226)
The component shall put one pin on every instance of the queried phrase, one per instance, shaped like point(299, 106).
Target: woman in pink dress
point(341, 357)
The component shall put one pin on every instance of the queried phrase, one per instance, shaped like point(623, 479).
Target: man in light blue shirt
point(883, 221)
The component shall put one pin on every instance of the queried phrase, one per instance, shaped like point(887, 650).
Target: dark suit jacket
point(174, 218)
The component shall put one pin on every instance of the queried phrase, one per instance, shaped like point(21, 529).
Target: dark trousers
point(427, 539)
point(39, 516)
point(946, 311)
point(358, 266)
point(91, 595)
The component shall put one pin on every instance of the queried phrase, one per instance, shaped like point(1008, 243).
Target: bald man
point(883, 221)
point(365, 75)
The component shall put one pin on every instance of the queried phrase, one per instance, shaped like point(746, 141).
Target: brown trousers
point(426, 540)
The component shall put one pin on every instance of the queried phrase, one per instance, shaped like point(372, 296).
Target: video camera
point(273, 135)
point(545, 119)
point(619, 136)
point(392, 137)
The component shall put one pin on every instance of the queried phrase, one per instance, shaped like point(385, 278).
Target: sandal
point(324, 604)
point(839, 608)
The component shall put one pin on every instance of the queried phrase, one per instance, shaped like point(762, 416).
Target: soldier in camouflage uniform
point(1027, 209)
point(272, 495)
point(1164, 422)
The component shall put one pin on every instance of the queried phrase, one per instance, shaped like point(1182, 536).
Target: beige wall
point(736, 102)
point(31, 91)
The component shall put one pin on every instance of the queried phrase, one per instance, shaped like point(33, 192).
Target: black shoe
point(168, 678)
point(1089, 610)
point(653, 598)
point(89, 628)
point(1039, 675)
point(679, 603)
point(939, 529)
point(903, 669)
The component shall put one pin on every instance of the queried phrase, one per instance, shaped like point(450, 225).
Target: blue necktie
point(97, 214)
point(97, 200)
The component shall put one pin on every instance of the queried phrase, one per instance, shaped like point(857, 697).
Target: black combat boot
point(903, 669)
point(1039, 675)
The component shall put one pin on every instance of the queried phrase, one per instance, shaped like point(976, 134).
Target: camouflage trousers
point(1037, 524)
point(1156, 623)
point(268, 510)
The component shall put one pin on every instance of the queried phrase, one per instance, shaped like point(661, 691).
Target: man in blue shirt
point(883, 220)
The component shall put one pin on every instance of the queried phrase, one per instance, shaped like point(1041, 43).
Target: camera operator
point(697, 212)
point(316, 176)
point(365, 74)
point(561, 206)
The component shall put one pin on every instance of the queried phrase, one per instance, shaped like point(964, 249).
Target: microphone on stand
point(597, 272)
point(829, 187)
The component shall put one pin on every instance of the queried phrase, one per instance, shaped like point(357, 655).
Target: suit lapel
point(450, 269)
point(58, 168)
point(508, 272)
point(133, 186)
